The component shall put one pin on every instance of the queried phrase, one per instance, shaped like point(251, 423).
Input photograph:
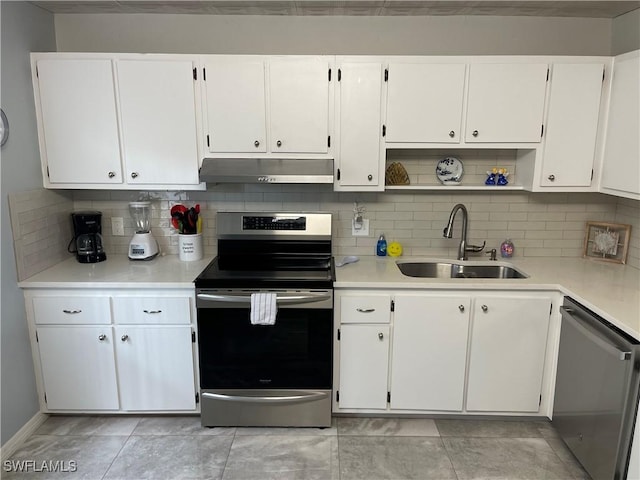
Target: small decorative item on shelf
point(396, 174)
point(607, 241)
point(502, 176)
point(450, 171)
point(491, 178)
point(394, 249)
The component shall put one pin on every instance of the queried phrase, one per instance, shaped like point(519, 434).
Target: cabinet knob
point(124, 338)
point(551, 178)
point(485, 309)
point(111, 174)
point(134, 174)
point(475, 133)
point(461, 308)
point(256, 143)
point(279, 143)
point(370, 177)
point(102, 337)
point(452, 134)
point(380, 336)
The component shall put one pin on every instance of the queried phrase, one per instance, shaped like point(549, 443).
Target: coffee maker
point(87, 237)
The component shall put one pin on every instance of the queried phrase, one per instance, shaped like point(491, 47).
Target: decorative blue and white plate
point(449, 171)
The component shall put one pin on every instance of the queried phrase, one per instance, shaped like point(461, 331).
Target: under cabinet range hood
point(266, 170)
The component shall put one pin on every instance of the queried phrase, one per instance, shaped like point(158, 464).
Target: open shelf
point(451, 188)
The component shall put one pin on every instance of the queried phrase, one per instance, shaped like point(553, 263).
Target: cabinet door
point(508, 345)
point(155, 368)
point(236, 108)
point(572, 125)
point(157, 103)
point(429, 352)
point(505, 103)
point(299, 105)
point(360, 124)
point(621, 168)
point(79, 128)
point(424, 102)
point(364, 366)
point(78, 368)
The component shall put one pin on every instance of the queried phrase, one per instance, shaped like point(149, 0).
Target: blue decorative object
point(491, 179)
point(502, 177)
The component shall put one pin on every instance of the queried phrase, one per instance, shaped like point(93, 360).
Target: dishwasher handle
point(582, 326)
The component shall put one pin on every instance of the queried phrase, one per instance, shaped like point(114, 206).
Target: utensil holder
point(190, 247)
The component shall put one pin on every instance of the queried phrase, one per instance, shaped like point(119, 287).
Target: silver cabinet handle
point(485, 309)
point(380, 336)
point(124, 338)
point(370, 177)
point(150, 312)
point(365, 310)
point(72, 312)
point(551, 178)
point(475, 133)
point(461, 308)
point(279, 143)
point(134, 174)
point(102, 337)
point(452, 134)
point(111, 174)
point(256, 143)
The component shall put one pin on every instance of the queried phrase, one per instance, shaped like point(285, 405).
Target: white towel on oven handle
point(264, 308)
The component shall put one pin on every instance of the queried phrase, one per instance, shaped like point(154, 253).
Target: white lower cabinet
point(435, 351)
point(365, 365)
point(141, 358)
point(429, 352)
point(78, 369)
point(155, 368)
point(506, 358)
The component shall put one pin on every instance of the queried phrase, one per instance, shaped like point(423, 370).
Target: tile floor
point(164, 448)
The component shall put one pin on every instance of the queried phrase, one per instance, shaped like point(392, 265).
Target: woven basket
point(396, 174)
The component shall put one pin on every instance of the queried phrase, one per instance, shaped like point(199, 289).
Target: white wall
point(626, 33)
point(450, 35)
point(24, 28)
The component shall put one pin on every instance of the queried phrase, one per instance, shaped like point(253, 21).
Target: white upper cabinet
point(621, 167)
point(359, 163)
point(505, 102)
point(572, 125)
point(116, 121)
point(77, 121)
point(299, 105)
point(424, 102)
point(235, 107)
point(157, 107)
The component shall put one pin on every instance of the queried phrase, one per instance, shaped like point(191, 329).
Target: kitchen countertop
point(610, 290)
point(119, 272)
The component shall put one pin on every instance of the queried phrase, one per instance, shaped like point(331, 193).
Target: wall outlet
point(362, 232)
point(117, 226)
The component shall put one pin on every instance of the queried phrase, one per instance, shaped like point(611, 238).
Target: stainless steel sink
point(444, 269)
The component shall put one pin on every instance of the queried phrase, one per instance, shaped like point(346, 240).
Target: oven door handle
point(280, 299)
point(306, 397)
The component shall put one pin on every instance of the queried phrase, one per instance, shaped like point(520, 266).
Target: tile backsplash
point(539, 224)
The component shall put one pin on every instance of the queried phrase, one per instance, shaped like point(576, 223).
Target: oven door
point(256, 375)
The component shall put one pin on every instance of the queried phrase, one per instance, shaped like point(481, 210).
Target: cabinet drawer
point(365, 309)
point(151, 310)
point(71, 310)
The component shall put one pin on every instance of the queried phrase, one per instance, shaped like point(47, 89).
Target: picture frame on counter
point(608, 242)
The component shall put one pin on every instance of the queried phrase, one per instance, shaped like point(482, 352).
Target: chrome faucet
point(463, 248)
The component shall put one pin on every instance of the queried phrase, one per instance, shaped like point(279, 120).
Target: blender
point(142, 246)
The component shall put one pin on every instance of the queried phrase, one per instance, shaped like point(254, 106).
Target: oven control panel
point(273, 223)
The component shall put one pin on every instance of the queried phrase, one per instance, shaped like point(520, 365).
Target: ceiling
point(548, 8)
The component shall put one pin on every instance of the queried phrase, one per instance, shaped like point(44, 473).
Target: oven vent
point(266, 170)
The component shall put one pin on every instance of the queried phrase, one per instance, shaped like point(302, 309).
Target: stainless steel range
point(267, 366)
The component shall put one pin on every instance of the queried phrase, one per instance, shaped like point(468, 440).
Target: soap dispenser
point(381, 247)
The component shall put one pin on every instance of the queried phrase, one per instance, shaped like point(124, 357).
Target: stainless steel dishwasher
point(597, 391)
